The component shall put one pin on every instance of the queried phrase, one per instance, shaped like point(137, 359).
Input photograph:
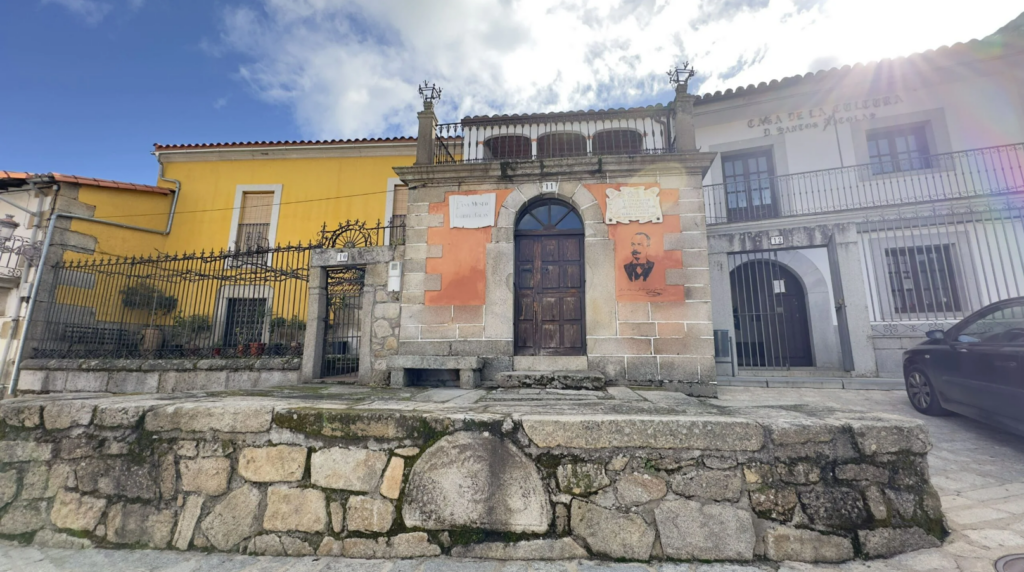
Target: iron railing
point(929, 266)
point(627, 132)
point(986, 171)
point(342, 323)
point(243, 302)
point(357, 234)
point(12, 252)
point(225, 304)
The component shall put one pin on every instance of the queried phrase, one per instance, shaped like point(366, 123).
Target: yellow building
point(239, 195)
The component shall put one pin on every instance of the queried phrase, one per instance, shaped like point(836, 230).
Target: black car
point(975, 368)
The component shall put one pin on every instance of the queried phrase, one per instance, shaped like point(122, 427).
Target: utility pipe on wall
point(16, 318)
point(42, 266)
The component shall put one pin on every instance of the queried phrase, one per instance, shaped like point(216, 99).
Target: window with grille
point(922, 279)
point(254, 221)
point(618, 142)
point(898, 149)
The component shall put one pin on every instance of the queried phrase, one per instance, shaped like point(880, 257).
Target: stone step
point(549, 363)
point(792, 372)
point(552, 379)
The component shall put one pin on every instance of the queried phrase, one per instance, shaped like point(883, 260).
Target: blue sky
point(92, 84)
point(90, 98)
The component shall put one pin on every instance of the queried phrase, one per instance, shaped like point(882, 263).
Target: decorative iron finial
point(680, 75)
point(429, 92)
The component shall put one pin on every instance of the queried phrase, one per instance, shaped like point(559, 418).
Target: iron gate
point(342, 327)
point(928, 267)
point(770, 316)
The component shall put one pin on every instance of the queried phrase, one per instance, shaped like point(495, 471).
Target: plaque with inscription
point(633, 204)
point(471, 211)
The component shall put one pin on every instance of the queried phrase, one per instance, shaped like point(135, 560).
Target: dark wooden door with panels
point(549, 281)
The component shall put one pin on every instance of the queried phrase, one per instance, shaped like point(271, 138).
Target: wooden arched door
point(549, 280)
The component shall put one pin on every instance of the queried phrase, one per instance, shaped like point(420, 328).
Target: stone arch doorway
point(769, 306)
point(549, 280)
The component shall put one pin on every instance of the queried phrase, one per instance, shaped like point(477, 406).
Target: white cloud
point(220, 102)
point(349, 68)
point(89, 10)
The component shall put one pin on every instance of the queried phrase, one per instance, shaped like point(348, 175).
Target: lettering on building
point(821, 117)
point(472, 211)
point(633, 204)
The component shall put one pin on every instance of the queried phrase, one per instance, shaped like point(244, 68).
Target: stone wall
point(276, 476)
point(644, 343)
point(380, 310)
point(155, 376)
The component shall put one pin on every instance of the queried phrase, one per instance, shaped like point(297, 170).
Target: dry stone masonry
point(384, 475)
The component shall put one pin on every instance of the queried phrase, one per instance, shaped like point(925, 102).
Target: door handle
point(1006, 363)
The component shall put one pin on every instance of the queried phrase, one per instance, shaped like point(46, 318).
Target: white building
point(851, 210)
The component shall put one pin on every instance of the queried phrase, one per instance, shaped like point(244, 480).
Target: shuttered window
point(401, 204)
point(254, 221)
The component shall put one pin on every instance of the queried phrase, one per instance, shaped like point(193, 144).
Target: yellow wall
point(137, 208)
point(355, 188)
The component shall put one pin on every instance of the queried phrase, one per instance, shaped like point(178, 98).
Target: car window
point(1002, 326)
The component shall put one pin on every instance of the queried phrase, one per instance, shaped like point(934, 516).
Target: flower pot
point(242, 350)
point(216, 352)
point(151, 340)
point(296, 348)
point(256, 349)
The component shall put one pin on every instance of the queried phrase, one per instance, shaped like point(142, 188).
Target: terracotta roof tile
point(157, 147)
point(108, 184)
point(1009, 38)
point(103, 183)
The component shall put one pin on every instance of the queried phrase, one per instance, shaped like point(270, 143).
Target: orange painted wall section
point(653, 289)
point(463, 261)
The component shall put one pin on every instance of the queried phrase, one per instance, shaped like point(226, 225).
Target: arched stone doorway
point(549, 279)
point(769, 307)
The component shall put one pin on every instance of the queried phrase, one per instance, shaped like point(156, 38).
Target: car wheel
point(922, 393)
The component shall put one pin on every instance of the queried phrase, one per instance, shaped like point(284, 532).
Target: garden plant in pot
point(189, 330)
point(144, 297)
point(286, 335)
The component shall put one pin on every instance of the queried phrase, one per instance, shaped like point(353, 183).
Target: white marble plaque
point(633, 204)
point(471, 211)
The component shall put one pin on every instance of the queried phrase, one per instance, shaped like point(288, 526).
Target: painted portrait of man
point(640, 268)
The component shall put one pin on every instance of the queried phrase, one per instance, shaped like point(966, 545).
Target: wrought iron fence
point(357, 234)
point(342, 323)
point(626, 132)
point(986, 171)
point(930, 266)
point(12, 252)
point(227, 304)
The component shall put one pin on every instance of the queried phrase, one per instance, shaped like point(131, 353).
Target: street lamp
point(7, 227)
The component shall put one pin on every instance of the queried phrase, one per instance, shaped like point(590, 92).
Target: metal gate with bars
point(342, 327)
point(928, 267)
point(770, 317)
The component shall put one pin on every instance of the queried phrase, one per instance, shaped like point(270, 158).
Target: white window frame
point(241, 292)
point(275, 211)
point(389, 207)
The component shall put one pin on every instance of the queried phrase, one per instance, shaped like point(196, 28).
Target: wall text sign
point(471, 211)
point(821, 117)
point(633, 204)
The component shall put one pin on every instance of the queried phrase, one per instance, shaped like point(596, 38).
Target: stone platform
point(552, 379)
point(505, 474)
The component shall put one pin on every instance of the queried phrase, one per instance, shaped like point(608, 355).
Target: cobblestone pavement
point(978, 471)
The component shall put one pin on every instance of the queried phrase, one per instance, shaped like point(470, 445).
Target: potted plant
point(188, 330)
point(148, 298)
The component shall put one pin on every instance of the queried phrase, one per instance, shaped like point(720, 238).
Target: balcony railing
point(588, 134)
point(12, 251)
point(975, 172)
